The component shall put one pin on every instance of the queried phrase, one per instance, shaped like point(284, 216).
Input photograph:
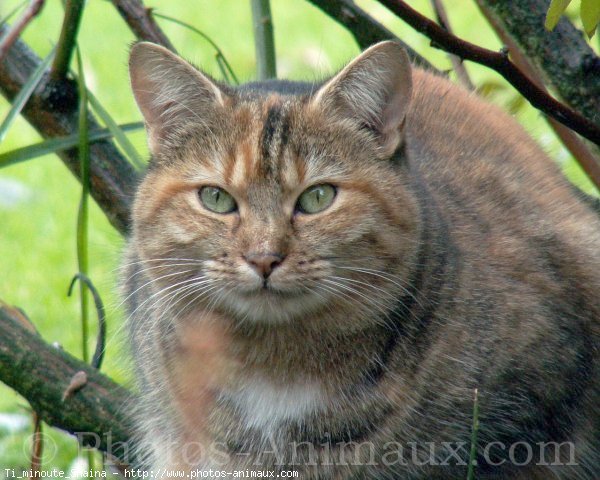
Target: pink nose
point(264, 263)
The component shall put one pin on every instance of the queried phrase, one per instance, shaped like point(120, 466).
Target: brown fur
point(455, 256)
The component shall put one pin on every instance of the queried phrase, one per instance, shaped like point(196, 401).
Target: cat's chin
point(272, 306)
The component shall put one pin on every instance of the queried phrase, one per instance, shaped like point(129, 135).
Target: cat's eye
point(315, 199)
point(217, 200)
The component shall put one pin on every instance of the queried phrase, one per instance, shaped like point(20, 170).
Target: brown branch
point(142, 23)
point(52, 111)
point(364, 28)
point(457, 64)
point(96, 413)
point(588, 161)
point(563, 56)
point(34, 8)
point(499, 62)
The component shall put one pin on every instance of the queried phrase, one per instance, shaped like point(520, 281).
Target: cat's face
point(268, 206)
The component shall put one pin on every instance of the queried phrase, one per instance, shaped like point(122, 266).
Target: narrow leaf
point(21, 99)
point(221, 60)
point(590, 16)
point(117, 132)
point(516, 104)
point(492, 86)
point(58, 144)
point(11, 13)
point(222, 67)
point(555, 11)
point(474, 431)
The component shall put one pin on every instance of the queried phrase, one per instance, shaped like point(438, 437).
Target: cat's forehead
point(266, 145)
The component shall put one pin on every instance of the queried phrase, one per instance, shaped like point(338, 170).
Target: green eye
point(315, 199)
point(217, 200)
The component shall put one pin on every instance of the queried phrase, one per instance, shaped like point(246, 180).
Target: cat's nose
point(264, 263)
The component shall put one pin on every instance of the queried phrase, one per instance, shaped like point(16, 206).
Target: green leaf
point(555, 11)
point(474, 432)
point(83, 215)
point(490, 87)
point(21, 98)
point(119, 135)
point(516, 104)
point(58, 144)
point(590, 16)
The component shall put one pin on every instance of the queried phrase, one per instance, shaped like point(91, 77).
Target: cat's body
point(453, 257)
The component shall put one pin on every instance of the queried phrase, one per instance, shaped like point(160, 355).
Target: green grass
point(38, 227)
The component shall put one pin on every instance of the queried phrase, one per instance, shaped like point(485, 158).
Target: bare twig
point(364, 28)
point(101, 338)
point(67, 39)
point(457, 64)
point(37, 445)
point(588, 161)
point(499, 62)
point(140, 20)
point(34, 8)
point(264, 42)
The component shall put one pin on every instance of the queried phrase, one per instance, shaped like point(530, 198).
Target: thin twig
point(67, 40)
point(364, 28)
point(37, 446)
point(264, 42)
point(101, 338)
point(586, 159)
point(499, 62)
point(142, 23)
point(457, 64)
point(34, 8)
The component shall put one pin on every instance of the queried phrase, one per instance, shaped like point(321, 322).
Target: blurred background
point(39, 198)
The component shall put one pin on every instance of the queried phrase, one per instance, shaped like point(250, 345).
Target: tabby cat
point(320, 276)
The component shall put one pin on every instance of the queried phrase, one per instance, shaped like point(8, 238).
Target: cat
point(319, 277)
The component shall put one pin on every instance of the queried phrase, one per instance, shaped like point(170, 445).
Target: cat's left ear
point(375, 90)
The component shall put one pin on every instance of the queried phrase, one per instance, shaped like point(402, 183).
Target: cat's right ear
point(169, 93)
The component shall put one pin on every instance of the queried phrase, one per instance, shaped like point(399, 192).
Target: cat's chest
point(263, 405)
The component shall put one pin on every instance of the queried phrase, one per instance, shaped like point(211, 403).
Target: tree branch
point(364, 28)
point(52, 111)
point(34, 8)
point(140, 20)
point(95, 413)
point(501, 64)
point(588, 161)
point(563, 57)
